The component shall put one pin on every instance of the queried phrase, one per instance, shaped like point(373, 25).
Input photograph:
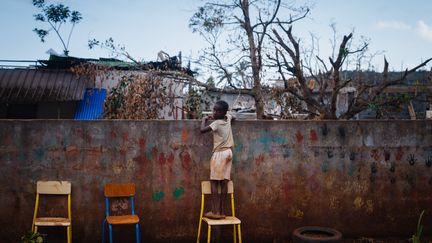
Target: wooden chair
point(120, 191)
point(53, 188)
point(229, 220)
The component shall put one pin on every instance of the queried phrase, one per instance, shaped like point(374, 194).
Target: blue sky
point(403, 29)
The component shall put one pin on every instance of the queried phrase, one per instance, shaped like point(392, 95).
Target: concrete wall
point(364, 178)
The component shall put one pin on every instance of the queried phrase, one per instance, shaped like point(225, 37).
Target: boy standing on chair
point(221, 160)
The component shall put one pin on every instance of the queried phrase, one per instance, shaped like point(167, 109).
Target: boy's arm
point(204, 128)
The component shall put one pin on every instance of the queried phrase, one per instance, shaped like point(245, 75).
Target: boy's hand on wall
point(204, 127)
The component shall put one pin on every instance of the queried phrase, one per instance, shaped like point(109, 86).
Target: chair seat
point(123, 219)
point(52, 221)
point(227, 221)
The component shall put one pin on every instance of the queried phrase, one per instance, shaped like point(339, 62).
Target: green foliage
point(41, 33)
point(117, 94)
point(419, 231)
point(344, 52)
point(385, 103)
point(109, 44)
point(55, 15)
point(208, 18)
point(193, 103)
point(211, 82)
point(115, 49)
point(93, 43)
point(33, 237)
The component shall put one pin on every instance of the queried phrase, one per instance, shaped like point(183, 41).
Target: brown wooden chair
point(126, 190)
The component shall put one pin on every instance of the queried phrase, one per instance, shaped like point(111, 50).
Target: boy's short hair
point(223, 104)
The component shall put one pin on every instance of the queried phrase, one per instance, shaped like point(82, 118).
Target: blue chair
point(120, 191)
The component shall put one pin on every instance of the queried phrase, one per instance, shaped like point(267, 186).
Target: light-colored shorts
point(220, 165)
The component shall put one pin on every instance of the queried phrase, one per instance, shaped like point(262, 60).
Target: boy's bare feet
point(212, 215)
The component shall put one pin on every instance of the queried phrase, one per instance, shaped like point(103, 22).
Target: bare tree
point(321, 101)
point(237, 34)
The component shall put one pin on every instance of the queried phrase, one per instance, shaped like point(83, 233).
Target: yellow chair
point(229, 220)
point(53, 188)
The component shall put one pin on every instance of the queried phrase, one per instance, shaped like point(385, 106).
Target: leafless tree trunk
point(238, 13)
point(330, 81)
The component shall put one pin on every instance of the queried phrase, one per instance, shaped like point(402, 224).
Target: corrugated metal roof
point(91, 106)
point(24, 85)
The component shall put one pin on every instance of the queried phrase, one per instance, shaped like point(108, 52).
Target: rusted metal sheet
point(26, 85)
point(363, 178)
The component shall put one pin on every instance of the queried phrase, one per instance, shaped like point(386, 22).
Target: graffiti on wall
point(290, 171)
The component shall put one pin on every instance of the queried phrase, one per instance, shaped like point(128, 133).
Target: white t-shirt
point(222, 134)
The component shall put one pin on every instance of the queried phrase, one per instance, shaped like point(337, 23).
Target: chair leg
point(137, 231)
point(239, 233)
point(103, 230)
point(110, 233)
point(35, 229)
point(235, 233)
point(68, 229)
point(209, 234)
point(199, 231)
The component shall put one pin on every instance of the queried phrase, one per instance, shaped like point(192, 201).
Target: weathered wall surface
point(364, 178)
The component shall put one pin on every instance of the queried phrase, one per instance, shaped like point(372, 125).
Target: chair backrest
point(206, 187)
point(53, 187)
point(120, 190)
